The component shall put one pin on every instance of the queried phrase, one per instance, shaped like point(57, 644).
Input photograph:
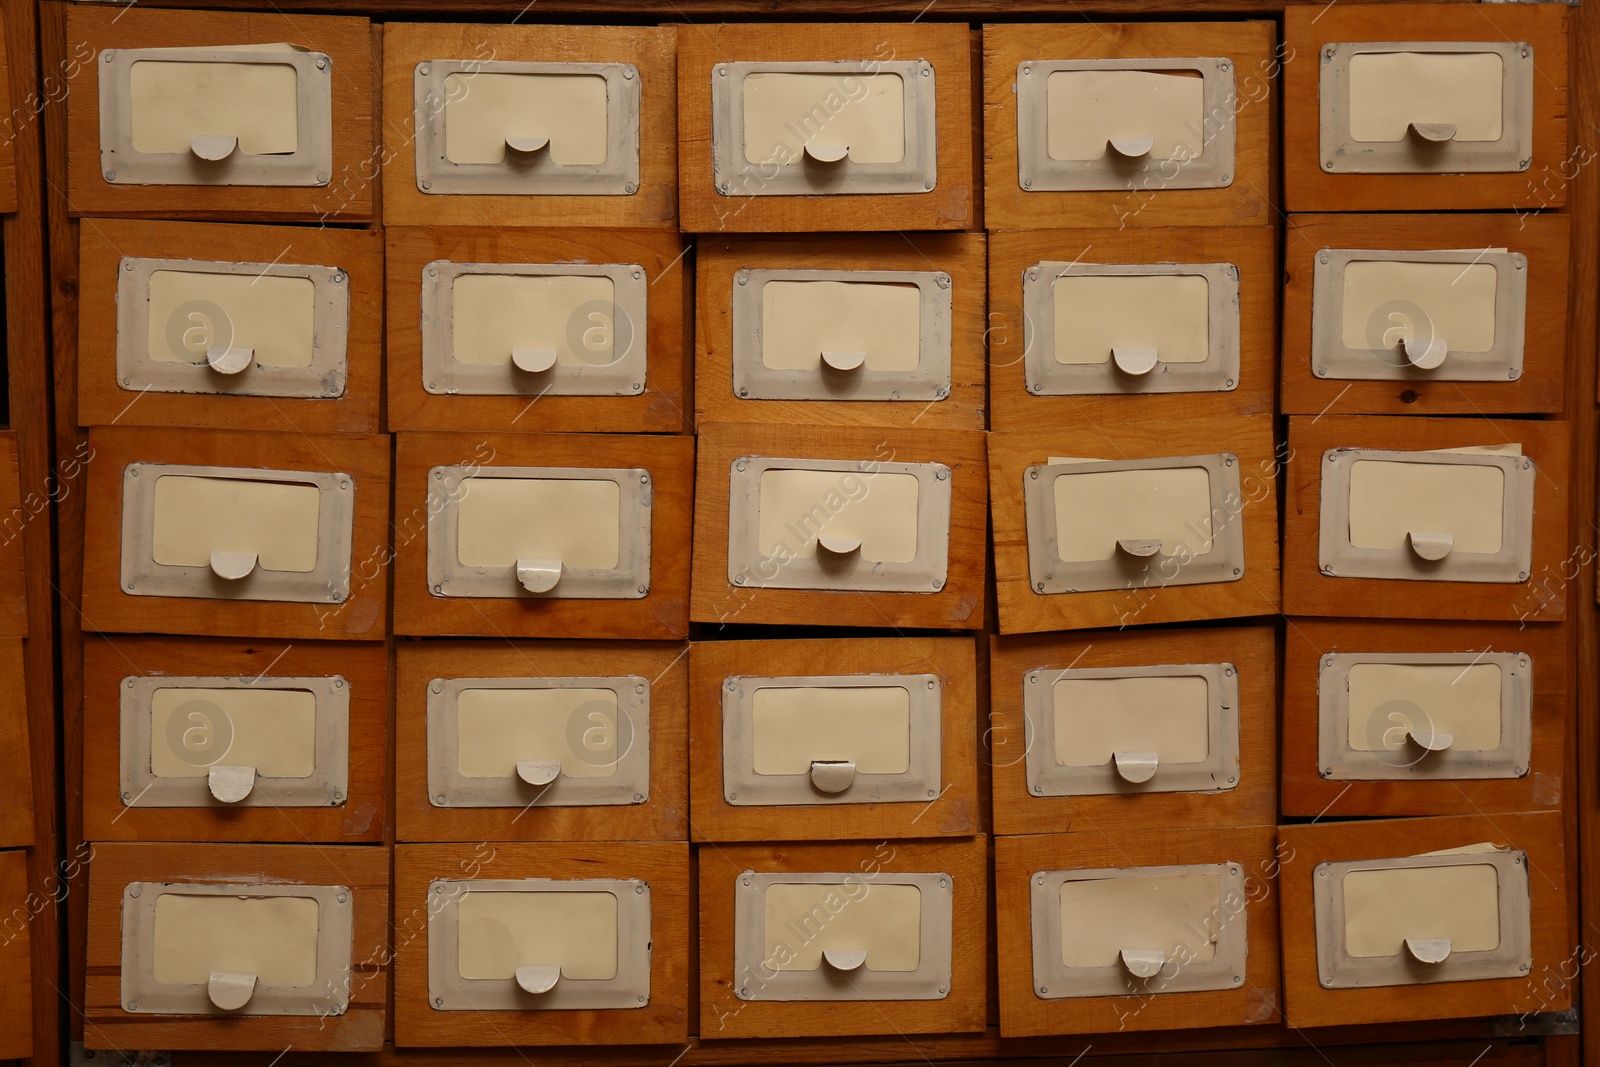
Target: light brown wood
point(1302, 848)
point(1244, 201)
point(365, 870)
point(648, 48)
point(18, 756)
point(1024, 1014)
point(102, 401)
point(1252, 802)
point(16, 974)
point(665, 1020)
point(662, 817)
point(1252, 249)
point(1306, 792)
point(955, 809)
point(1250, 439)
point(952, 204)
point(662, 614)
point(1307, 28)
point(15, 515)
point(961, 256)
point(723, 1014)
point(660, 408)
point(959, 605)
point(8, 152)
point(1542, 238)
point(107, 663)
point(107, 608)
point(348, 195)
point(1306, 591)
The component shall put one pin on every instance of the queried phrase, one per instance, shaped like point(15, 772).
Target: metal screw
point(927, 185)
point(1513, 374)
point(933, 792)
point(743, 277)
point(1224, 65)
point(134, 891)
point(1233, 781)
point(638, 798)
point(1524, 164)
point(1226, 178)
point(440, 799)
point(944, 883)
point(1524, 51)
point(1327, 568)
point(110, 52)
point(1327, 164)
point(438, 1002)
point(942, 281)
point(638, 274)
point(938, 583)
point(743, 392)
point(1328, 52)
point(1237, 572)
point(1043, 990)
point(722, 72)
point(732, 797)
point(338, 795)
point(741, 464)
point(111, 175)
point(738, 579)
point(1033, 274)
point(1039, 587)
point(927, 72)
point(426, 184)
point(127, 796)
point(1037, 790)
point(932, 683)
point(342, 897)
point(322, 63)
point(1034, 474)
point(322, 178)
point(1323, 258)
point(424, 68)
point(643, 589)
point(438, 590)
point(630, 188)
point(942, 473)
point(1027, 183)
point(1522, 577)
point(433, 272)
point(133, 1005)
point(1230, 383)
point(724, 187)
point(131, 586)
point(1228, 671)
point(627, 74)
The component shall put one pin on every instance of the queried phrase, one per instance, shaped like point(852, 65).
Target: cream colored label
point(1097, 717)
point(1452, 301)
point(1170, 313)
point(1384, 907)
point(1084, 109)
point(274, 316)
point(195, 517)
point(802, 919)
point(502, 520)
point(481, 110)
point(879, 510)
point(499, 932)
point(570, 314)
point(1176, 914)
point(1389, 500)
point(273, 938)
point(1097, 509)
point(272, 730)
point(1389, 699)
point(785, 112)
point(869, 725)
point(801, 320)
point(497, 728)
point(255, 102)
point(1391, 90)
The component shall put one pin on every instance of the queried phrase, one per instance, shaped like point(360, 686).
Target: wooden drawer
point(1204, 955)
point(616, 165)
point(846, 956)
point(1363, 701)
point(148, 982)
point(16, 960)
point(602, 312)
point(633, 583)
point(1201, 702)
point(307, 721)
point(611, 716)
point(303, 308)
point(307, 156)
point(1328, 984)
point(822, 303)
point(833, 738)
point(1500, 560)
point(855, 486)
point(16, 511)
point(1369, 294)
point(324, 571)
point(1229, 507)
point(1049, 162)
point(1477, 149)
point(1215, 357)
point(16, 756)
point(742, 160)
point(643, 1001)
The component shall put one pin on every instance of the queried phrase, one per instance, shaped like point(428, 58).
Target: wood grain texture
point(107, 608)
point(8, 152)
point(664, 1020)
point(724, 1015)
point(108, 662)
point(347, 41)
point(1542, 238)
point(1307, 591)
point(752, 9)
point(1306, 792)
point(102, 401)
point(1245, 201)
point(953, 202)
point(1251, 650)
point(662, 614)
point(959, 605)
point(1302, 848)
point(365, 870)
point(15, 515)
point(18, 755)
point(955, 811)
point(649, 48)
point(1307, 187)
point(1252, 249)
point(719, 258)
point(659, 408)
point(16, 972)
point(1024, 1014)
point(1256, 592)
point(662, 817)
